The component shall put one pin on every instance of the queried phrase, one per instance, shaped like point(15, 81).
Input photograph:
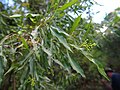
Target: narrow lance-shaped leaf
point(88, 27)
point(60, 31)
point(34, 33)
point(61, 39)
point(16, 16)
point(31, 15)
point(58, 62)
point(24, 42)
point(2, 21)
point(13, 66)
point(102, 72)
point(97, 63)
point(75, 24)
point(26, 15)
point(65, 6)
point(76, 66)
point(24, 61)
point(47, 51)
point(31, 65)
point(3, 40)
point(3, 56)
point(89, 57)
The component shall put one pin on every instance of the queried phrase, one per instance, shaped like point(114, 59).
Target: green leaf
point(58, 62)
point(24, 42)
point(3, 56)
point(116, 19)
point(32, 20)
point(24, 61)
point(31, 65)
point(75, 46)
point(47, 51)
point(31, 15)
point(60, 31)
point(1, 19)
point(16, 16)
point(88, 27)
point(1, 69)
point(76, 66)
point(13, 66)
point(24, 75)
point(75, 24)
point(65, 6)
point(61, 39)
point(3, 40)
point(102, 72)
point(89, 57)
point(26, 15)
point(96, 62)
point(34, 33)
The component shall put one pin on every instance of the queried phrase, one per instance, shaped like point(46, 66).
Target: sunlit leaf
point(102, 72)
point(31, 15)
point(24, 42)
point(75, 24)
point(60, 31)
point(26, 15)
point(16, 16)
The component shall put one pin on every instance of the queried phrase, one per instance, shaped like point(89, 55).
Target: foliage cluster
point(43, 47)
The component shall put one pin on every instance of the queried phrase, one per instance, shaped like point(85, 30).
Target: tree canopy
point(47, 44)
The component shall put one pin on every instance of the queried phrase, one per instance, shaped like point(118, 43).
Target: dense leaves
point(42, 46)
